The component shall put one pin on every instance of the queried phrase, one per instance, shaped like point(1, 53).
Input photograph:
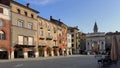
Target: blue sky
point(81, 13)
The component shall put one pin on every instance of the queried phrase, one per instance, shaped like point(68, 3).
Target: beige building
point(47, 38)
point(75, 42)
point(23, 31)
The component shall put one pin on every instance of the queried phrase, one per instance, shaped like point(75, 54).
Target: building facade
point(47, 38)
point(23, 31)
point(5, 20)
point(69, 43)
point(24, 34)
point(75, 42)
point(82, 42)
point(95, 42)
point(61, 36)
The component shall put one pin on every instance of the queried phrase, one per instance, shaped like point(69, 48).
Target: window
point(20, 23)
point(30, 26)
point(88, 43)
point(1, 10)
point(102, 43)
point(41, 33)
point(72, 45)
point(2, 35)
point(30, 41)
point(54, 30)
point(48, 34)
point(18, 10)
point(1, 23)
point(20, 40)
point(72, 35)
point(48, 28)
point(32, 15)
point(41, 24)
point(72, 40)
point(25, 13)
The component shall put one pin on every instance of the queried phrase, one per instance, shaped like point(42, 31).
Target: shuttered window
point(30, 41)
point(1, 10)
point(20, 40)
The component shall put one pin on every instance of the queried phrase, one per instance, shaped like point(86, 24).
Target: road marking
point(18, 65)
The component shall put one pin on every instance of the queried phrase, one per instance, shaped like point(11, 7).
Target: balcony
point(41, 27)
point(25, 44)
point(41, 37)
point(49, 38)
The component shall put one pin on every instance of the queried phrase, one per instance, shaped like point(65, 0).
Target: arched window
point(1, 23)
point(2, 35)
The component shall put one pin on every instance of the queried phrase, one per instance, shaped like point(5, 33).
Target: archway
point(31, 53)
point(3, 53)
point(60, 51)
point(49, 49)
point(95, 47)
point(18, 53)
point(55, 51)
point(41, 51)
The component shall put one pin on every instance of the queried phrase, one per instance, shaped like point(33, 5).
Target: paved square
point(61, 62)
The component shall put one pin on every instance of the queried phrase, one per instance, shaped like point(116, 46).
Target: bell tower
point(95, 29)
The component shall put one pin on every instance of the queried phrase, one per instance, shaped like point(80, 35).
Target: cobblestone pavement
point(76, 61)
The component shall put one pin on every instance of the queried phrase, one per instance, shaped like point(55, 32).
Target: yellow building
point(47, 38)
point(61, 36)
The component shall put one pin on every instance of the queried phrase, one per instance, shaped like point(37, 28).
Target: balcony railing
point(49, 38)
point(41, 37)
point(27, 43)
point(41, 27)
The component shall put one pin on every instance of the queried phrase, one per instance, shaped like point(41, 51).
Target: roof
point(58, 22)
point(24, 6)
point(113, 33)
point(73, 27)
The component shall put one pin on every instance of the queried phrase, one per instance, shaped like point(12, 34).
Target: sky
point(81, 13)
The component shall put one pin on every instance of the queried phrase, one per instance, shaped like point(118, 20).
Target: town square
point(59, 34)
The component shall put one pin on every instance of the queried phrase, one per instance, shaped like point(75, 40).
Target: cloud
point(41, 2)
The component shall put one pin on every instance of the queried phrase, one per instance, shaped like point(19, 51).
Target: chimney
point(50, 17)
point(59, 20)
point(28, 5)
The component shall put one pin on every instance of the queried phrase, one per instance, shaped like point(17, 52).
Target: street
point(62, 62)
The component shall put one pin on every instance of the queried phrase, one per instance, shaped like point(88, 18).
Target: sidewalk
point(39, 58)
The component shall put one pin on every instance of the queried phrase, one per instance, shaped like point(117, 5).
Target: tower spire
point(95, 28)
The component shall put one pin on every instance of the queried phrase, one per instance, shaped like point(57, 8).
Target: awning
point(3, 49)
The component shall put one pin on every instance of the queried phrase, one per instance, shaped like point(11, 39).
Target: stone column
point(45, 52)
point(58, 54)
point(36, 53)
point(63, 52)
point(9, 54)
point(12, 54)
point(67, 51)
point(52, 52)
point(25, 53)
